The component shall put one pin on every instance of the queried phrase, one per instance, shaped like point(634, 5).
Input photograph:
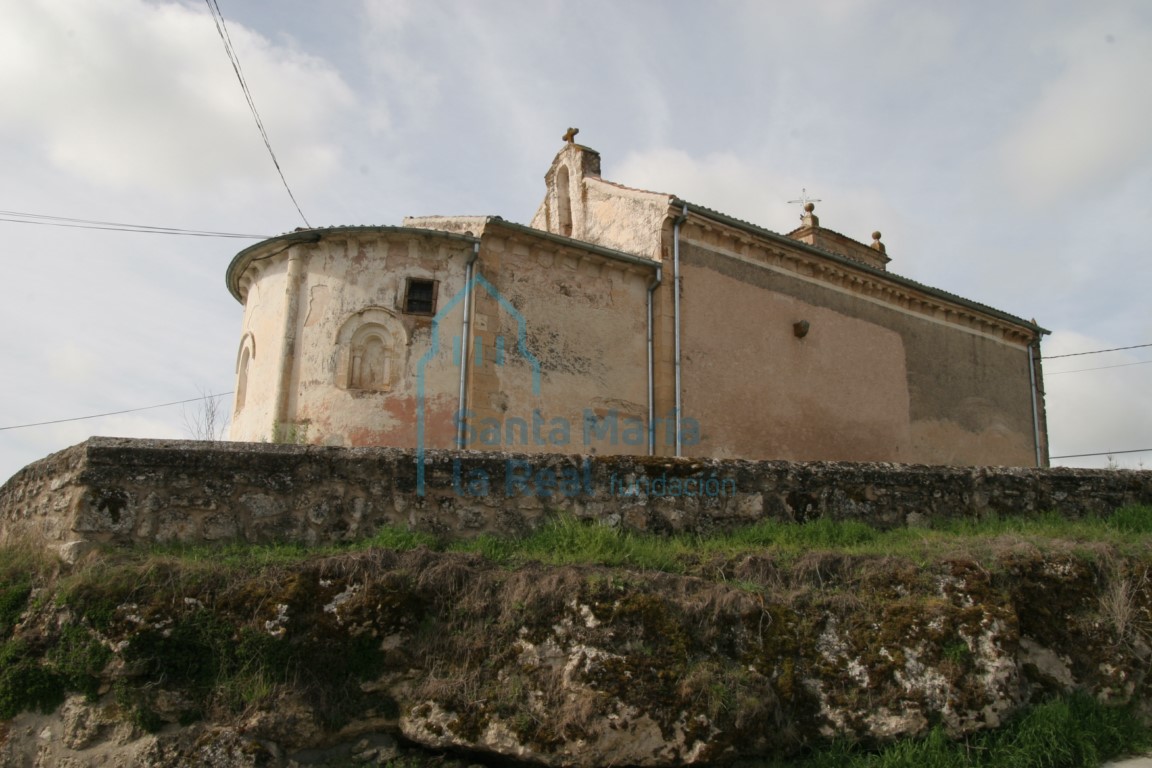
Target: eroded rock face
point(574, 666)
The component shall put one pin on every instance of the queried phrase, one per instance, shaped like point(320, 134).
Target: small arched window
point(243, 363)
point(242, 380)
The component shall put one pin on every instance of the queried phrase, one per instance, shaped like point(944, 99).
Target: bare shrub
point(205, 419)
point(1121, 607)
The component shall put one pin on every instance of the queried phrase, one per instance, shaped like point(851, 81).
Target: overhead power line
point(222, 28)
point(115, 413)
point(1102, 453)
point(17, 217)
point(1096, 351)
point(1097, 368)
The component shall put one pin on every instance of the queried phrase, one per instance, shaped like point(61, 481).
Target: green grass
point(817, 534)
point(565, 541)
point(13, 598)
point(25, 684)
point(1070, 732)
point(78, 658)
point(1131, 519)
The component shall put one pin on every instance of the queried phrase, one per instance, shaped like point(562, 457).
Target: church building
point(625, 321)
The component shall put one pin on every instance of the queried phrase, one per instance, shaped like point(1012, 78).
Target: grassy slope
point(1072, 731)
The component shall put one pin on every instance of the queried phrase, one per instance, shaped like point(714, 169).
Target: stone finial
point(570, 135)
point(876, 244)
point(810, 219)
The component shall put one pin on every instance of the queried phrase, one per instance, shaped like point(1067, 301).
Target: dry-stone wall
point(127, 490)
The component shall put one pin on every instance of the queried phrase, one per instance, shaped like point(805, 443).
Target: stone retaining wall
point(123, 491)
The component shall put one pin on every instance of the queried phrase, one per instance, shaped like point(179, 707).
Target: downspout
point(1035, 408)
point(676, 318)
point(465, 345)
point(652, 286)
point(288, 351)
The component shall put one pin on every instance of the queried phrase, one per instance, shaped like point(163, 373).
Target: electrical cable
point(1097, 368)
point(222, 28)
point(1102, 453)
point(1095, 351)
point(115, 413)
point(65, 221)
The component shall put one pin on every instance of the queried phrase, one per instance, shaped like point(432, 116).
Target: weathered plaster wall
point(351, 281)
point(840, 392)
point(125, 490)
point(557, 335)
point(359, 280)
point(618, 217)
point(583, 322)
point(262, 334)
point(579, 204)
point(869, 381)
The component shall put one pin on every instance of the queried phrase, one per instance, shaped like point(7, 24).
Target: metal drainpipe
point(652, 286)
point(676, 313)
point(1035, 408)
point(465, 345)
point(288, 353)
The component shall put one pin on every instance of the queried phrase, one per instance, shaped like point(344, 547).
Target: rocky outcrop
point(360, 657)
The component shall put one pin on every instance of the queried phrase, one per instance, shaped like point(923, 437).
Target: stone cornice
point(236, 273)
point(748, 243)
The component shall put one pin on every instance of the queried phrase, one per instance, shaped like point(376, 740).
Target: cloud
point(754, 192)
point(133, 94)
point(1090, 121)
point(409, 82)
point(527, 72)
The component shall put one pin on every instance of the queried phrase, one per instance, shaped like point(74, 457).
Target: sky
point(1002, 148)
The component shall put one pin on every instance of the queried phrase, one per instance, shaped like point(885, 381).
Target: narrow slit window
point(242, 379)
point(420, 298)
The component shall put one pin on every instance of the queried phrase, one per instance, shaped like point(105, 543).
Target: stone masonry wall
point(125, 491)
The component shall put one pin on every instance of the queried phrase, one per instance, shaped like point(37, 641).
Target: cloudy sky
point(1004, 149)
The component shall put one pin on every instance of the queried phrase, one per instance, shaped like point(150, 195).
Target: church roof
point(242, 259)
point(240, 262)
point(882, 274)
point(878, 273)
